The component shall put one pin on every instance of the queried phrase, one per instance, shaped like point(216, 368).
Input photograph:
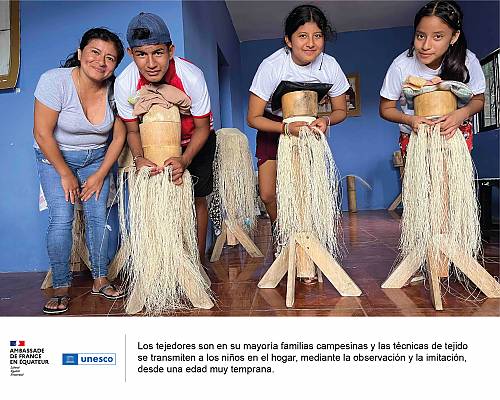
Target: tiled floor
point(371, 240)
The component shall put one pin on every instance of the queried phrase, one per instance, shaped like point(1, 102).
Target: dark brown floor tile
point(251, 271)
point(234, 296)
point(368, 270)
point(212, 313)
point(490, 306)
point(410, 297)
point(428, 312)
point(317, 296)
point(370, 239)
point(88, 304)
point(493, 268)
point(307, 313)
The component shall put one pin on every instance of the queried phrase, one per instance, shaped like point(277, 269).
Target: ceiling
point(255, 20)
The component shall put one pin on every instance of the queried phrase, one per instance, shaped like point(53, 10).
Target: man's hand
point(178, 165)
point(142, 162)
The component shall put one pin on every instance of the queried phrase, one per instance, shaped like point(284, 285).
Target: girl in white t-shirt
point(439, 48)
point(301, 60)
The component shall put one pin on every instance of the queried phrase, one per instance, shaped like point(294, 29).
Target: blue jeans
point(83, 163)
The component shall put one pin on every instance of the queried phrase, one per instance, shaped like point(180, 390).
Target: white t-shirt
point(404, 66)
point(279, 66)
point(184, 76)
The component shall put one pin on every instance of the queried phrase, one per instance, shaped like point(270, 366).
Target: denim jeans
point(83, 163)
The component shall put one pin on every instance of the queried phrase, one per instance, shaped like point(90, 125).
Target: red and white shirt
point(184, 76)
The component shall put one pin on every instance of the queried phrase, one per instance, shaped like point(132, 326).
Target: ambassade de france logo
point(89, 359)
point(23, 356)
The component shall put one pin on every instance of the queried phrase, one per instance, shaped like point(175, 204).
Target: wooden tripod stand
point(304, 250)
point(299, 257)
point(441, 249)
point(437, 268)
point(234, 234)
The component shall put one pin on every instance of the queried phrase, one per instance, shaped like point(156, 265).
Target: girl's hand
point(70, 187)
point(321, 123)
point(294, 127)
point(450, 123)
point(416, 121)
point(92, 185)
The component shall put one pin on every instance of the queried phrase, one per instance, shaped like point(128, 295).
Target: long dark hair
point(95, 33)
point(453, 67)
point(308, 13)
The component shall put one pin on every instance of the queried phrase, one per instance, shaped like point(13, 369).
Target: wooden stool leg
point(402, 273)
point(219, 244)
point(245, 240)
point(433, 267)
point(47, 282)
point(205, 276)
point(231, 238)
point(198, 297)
point(395, 203)
point(473, 270)
point(443, 264)
point(320, 275)
point(119, 261)
point(327, 264)
point(292, 273)
point(134, 303)
point(276, 271)
point(305, 266)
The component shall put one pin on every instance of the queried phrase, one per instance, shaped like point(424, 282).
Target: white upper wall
point(255, 20)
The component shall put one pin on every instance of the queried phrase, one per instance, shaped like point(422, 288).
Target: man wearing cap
point(152, 50)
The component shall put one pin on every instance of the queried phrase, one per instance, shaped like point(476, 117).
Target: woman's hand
point(92, 185)
point(321, 123)
point(70, 187)
point(416, 120)
point(450, 123)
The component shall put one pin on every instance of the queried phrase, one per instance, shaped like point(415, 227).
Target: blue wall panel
point(207, 28)
point(361, 145)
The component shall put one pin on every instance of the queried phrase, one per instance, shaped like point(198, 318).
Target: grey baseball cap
point(158, 31)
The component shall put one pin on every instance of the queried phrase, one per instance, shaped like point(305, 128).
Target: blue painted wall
point(49, 32)
point(207, 28)
point(361, 145)
point(483, 38)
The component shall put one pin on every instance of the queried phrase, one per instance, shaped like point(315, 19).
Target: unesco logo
point(89, 359)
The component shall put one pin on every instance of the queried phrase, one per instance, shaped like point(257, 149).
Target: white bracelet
point(327, 117)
